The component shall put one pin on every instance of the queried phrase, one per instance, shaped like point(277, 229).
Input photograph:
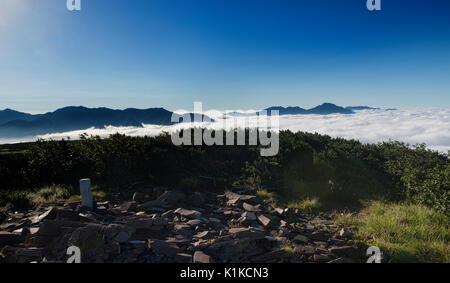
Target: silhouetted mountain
point(79, 118)
point(356, 108)
point(324, 109)
point(329, 108)
point(287, 110)
point(9, 115)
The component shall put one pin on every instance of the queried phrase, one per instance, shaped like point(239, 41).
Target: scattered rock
point(247, 218)
point(129, 206)
point(300, 239)
point(201, 257)
point(342, 260)
point(248, 233)
point(265, 221)
point(321, 258)
point(252, 208)
point(231, 228)
point(346, 251)
point(163, 248)
point(49, 228)
point(305, 250)
point(49, 214)
point(168, 199)
point(190, 214)
point(206, 235)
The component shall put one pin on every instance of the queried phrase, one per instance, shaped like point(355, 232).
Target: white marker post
point(86, 193)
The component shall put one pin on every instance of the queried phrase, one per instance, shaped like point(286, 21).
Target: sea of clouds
point(431, 126)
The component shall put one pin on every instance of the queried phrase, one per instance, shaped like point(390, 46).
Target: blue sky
point(229, 54)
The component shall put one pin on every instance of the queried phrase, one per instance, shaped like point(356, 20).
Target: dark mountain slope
point(79, 118)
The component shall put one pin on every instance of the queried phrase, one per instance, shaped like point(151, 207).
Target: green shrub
point(339, 173)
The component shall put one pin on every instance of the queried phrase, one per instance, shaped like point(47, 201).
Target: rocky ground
point(163, 225)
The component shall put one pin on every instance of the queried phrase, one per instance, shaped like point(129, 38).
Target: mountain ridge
point(70, 118)
point(73, 118)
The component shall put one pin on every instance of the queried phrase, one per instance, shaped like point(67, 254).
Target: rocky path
point(162, 225)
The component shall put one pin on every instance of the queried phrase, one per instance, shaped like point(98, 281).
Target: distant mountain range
point(324, 109)
point(14, 124)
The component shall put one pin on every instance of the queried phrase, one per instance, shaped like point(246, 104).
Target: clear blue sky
point(229, 54)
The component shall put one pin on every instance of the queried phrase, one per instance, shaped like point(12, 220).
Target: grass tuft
point(50, 194)
point(403, 232)
point(268, 197)
point(305, 205)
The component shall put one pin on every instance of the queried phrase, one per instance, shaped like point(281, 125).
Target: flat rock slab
point(49, 214)
point(201, 257)
point(346, 251)
point(190, 214)
point(206, 235)
point(164, 248)
point(251, 208)
point(248, 233)
point(300, 239)
point(264, 220)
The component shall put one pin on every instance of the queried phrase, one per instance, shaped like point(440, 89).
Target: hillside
point(225, 204)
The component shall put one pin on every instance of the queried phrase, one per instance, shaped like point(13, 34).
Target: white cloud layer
point(369, 126)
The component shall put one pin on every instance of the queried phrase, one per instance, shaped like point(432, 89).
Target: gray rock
point(49, 228)
point(304, 250)
point(206, 235)
point(265, 221)
point(112, 230)
point(320, 236)
point(342, 260)
point(300, 239)
point(141, 224)
point(247, 217)
point(129, 206)
point(201, 257)
point(346, 251)
point(247, 233)
point(190, 214)
point(163, 248)
point(251, 208)
point(91, 241)
point(183, 229)
point(194, 222)
point(321, 258)
point(168, 199)
point(49, 214)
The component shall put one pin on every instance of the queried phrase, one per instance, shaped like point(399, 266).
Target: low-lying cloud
point(369, 126)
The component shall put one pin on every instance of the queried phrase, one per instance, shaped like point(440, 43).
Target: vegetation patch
point(404, 232)
point(307, 205)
